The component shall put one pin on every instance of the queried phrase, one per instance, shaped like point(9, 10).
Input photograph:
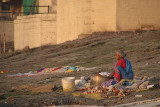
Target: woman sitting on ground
point(123, 68)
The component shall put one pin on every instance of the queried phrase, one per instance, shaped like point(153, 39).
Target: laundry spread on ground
point(112, 88)
point(44, 71)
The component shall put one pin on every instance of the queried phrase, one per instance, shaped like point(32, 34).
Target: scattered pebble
point(138, 95)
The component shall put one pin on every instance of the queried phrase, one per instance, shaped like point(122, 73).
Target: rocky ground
point(96, 50)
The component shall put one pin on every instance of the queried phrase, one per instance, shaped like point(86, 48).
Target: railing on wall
point(35, 12)
point(11, 15)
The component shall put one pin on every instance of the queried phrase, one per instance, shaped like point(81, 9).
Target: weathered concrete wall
point(69, 20)
point(103, 15)
point(34, 30)
point(49, 30)
point(138, 14)
point(78, 17)
point(7, 27)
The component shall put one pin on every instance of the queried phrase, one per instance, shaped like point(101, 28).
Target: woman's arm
point(112, 74)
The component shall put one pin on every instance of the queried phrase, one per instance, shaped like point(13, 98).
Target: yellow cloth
point(129, 82)
point(70, 70)
point(125, 80)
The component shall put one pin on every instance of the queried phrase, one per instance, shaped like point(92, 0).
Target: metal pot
point(98, 79)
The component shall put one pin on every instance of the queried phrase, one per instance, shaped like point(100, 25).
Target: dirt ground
point(96, 50)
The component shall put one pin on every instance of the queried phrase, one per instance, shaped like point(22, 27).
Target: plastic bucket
point(68, 84)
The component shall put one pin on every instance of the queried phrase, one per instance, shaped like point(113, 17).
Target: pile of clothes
point(124, 87)
point(43, 71)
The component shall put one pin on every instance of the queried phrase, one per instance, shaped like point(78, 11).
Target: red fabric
point(56, 68)
point(117, 75)
point(121, 63)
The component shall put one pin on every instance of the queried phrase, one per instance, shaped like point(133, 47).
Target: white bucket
point(68, 84)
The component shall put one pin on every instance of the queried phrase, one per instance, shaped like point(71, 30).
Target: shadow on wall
point(53, 7)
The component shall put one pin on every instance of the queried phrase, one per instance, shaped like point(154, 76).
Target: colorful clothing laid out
point(44, 71)
point(109, 89)
point(108, 83)
point(123, 70)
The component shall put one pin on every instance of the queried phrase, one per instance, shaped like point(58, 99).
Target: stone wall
point(138, 15)
point(103, 15)
point(81, 17)
point(34, 30)
point(70, 20)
